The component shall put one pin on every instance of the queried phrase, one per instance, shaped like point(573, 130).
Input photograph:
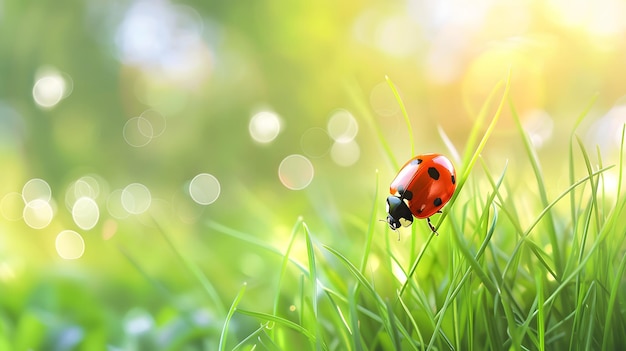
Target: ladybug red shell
point(421, 188)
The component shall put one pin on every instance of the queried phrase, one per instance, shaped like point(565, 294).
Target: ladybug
point(421, 188)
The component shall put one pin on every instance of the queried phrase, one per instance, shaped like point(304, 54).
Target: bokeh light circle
point(342, 126)
point(85, 186)
point(85, 213)
point(38, 214)
point(264, 126)
point(136, 198)
point(49, 90)
point(204, 189)
point(345, 154)
point(156, 120)
point(295, 172)
point(12, 206)
point(138, 132)
point(69, 245)
point(36, 189)
point(315, 142)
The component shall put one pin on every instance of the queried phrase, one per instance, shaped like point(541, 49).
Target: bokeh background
point(125, 124)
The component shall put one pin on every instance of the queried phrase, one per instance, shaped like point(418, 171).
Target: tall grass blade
point(407, 120)
point(282, 322)
point(356, 95)
point(285, 261)
point(470, 157)
point(312, 285)
point(195, 271)
point(231, 311)
point(541, 327)
point(621, 163)
point(541, 186)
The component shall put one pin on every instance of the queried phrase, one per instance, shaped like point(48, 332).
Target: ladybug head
point(398, 213)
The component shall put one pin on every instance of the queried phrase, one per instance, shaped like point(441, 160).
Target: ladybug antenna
point(395, 230)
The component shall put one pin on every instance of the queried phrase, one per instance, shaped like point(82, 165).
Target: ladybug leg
point(432, 227)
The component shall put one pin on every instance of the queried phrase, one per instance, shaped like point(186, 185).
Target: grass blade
point(407, 120)
point(312, 285)
point(356, 94)
point(281, 321)
point(231, 311)
point(541, 186)
point(195, 271)
point(283, 266)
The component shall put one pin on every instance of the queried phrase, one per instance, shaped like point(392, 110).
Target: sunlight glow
point(539, 126)
point(601, 17)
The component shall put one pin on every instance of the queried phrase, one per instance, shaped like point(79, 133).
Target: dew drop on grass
point(342, 126)
point(85, 213)
point(69, 245)
point(204, 189)
point(295, 172)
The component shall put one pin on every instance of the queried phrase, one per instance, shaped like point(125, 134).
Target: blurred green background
point(124, 123)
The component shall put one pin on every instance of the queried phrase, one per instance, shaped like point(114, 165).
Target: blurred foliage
point(207, 67)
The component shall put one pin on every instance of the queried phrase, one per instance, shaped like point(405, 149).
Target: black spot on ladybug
point(453, 179)
point(433, 173)
point(419, 160)
point(437, 202)
point(408, 195)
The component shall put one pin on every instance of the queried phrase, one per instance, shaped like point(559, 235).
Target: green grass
point(520, 264)
point(492, 280)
